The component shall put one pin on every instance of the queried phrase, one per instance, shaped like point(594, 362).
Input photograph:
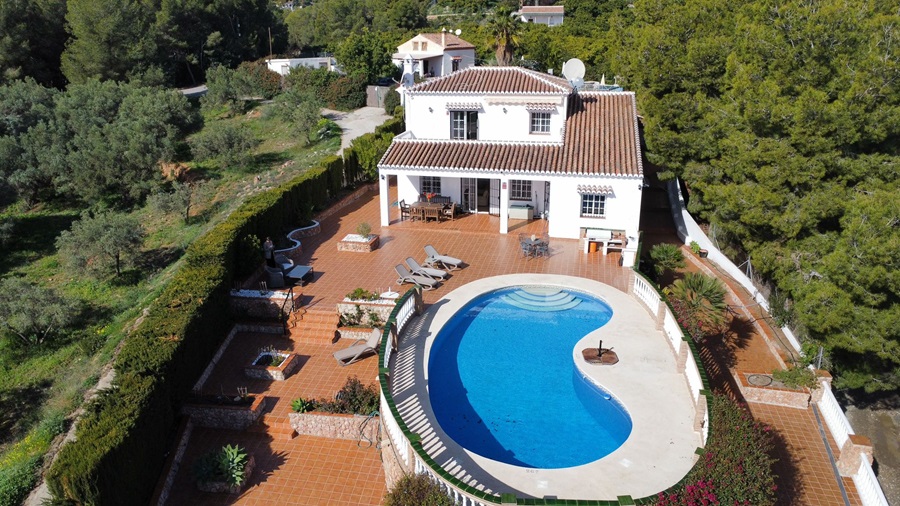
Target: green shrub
point(666, 257)
point(736, 466)
point(362, 294)
point(417, 490)
point(301, 405)
point(116, 458)
point(796, 376)
point(223, 465)
point(346, 93)
point(353, 398)
point(391, 101)
point(364, 229)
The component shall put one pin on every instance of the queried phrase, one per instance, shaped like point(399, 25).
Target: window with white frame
point(593, 205)
point(519, 189)
point(424, 46)
point(415, 46)
point(464, 125)
point(540, 122)
point(430, 184)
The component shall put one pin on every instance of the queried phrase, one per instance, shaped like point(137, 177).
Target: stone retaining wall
point(225, 417)
point(381, 307)
point(772, 395)
point(279, 373)
point(335, 426)
point(263, 306)
point(259, 329)
point(344, 202)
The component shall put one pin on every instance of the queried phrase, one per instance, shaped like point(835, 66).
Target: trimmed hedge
point(117, 455)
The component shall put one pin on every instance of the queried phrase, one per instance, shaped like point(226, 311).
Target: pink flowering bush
point(735, 469)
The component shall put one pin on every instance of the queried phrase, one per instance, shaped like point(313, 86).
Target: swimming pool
point(503, 385)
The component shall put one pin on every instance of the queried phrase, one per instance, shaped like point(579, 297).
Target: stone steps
point(276, 426)
point(315, 327)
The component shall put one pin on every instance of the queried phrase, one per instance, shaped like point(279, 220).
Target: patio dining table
point(426, 210)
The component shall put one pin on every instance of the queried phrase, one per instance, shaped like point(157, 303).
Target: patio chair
point(450, 212)
point(415, 268)
point(284, 262)
point(407, 277)
point(404, 210)
point(359, 349)
point(274, 277)
point(434, 259)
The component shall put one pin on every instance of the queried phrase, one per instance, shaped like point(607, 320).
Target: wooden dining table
point(426, 210)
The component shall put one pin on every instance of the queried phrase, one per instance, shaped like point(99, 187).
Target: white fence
point(870, 492)
point(867, 485)
point(689, 231)
point(646, 293)
point(834, 417)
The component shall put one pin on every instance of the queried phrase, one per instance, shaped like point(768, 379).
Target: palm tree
point(702, 298)
point(666, 257)
point(505, 28)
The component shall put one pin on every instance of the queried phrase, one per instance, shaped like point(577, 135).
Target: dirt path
point(356, 123)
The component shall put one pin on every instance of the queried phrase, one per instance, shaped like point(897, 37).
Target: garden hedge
point(117, 457)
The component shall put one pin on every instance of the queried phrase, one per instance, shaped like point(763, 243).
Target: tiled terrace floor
point(316, 471)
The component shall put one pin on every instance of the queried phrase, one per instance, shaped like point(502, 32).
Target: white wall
point(283, 65)
point(543, 19)
point(493, 123)
point(622, 206)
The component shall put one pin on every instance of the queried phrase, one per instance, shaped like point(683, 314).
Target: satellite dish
point(457, 32)
point(408, 80)
point(573, 69)
point(577, 83)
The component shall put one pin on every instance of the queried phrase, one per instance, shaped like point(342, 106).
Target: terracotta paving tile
point(313, 471)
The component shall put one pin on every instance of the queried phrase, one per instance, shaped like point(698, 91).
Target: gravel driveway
point(356, 123)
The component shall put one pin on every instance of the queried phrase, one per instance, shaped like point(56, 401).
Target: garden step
point(276, 426)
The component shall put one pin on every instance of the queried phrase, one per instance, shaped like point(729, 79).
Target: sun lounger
point(415, 268)
point(408, 277)
point(434, 259)
point(359, 349)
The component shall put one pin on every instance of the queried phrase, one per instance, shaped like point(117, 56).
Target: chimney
point(444, 38)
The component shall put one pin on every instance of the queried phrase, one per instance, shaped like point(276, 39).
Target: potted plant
point(695, 247)
point(271, 364)
point(363, 241)
point(227, 469)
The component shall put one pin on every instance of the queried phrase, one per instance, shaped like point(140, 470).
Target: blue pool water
point(503, 385)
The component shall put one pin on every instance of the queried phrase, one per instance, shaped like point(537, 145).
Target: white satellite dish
point(573, 69)
point(457, 32)
point(408, 80)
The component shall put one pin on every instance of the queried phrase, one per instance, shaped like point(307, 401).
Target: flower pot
point(703, 253)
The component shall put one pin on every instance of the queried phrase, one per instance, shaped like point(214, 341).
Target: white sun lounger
point(407, 277)
point(434, 259)
point(415, 268)
point(360, 349)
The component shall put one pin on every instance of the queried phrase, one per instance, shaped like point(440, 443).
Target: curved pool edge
point(662, 417)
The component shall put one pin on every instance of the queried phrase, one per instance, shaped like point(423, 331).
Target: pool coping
point(662, 444)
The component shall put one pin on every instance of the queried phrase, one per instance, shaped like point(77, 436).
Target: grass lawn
point(41, 385)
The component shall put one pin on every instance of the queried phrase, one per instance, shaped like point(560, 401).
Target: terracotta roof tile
point(450, 42)
point(481, 80)
point(601, 138)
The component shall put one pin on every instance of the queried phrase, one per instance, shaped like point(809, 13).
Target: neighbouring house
point(550, 15)
point(284, 65)
point(520, 144)
point(434, 54)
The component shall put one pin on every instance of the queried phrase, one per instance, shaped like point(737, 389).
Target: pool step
point(548, 300)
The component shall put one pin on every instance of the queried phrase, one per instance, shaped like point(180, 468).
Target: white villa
point(434, 54)
point(284, 65)
point(520, 144)
point(550, 15)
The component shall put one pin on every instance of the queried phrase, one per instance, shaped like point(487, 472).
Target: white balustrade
point(834, 417)
point(646, 293)
point(867, 485)
point(695, 383)
point(394, 432)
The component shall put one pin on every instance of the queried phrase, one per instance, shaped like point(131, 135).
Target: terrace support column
point(504, 205)
point(384, 200)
